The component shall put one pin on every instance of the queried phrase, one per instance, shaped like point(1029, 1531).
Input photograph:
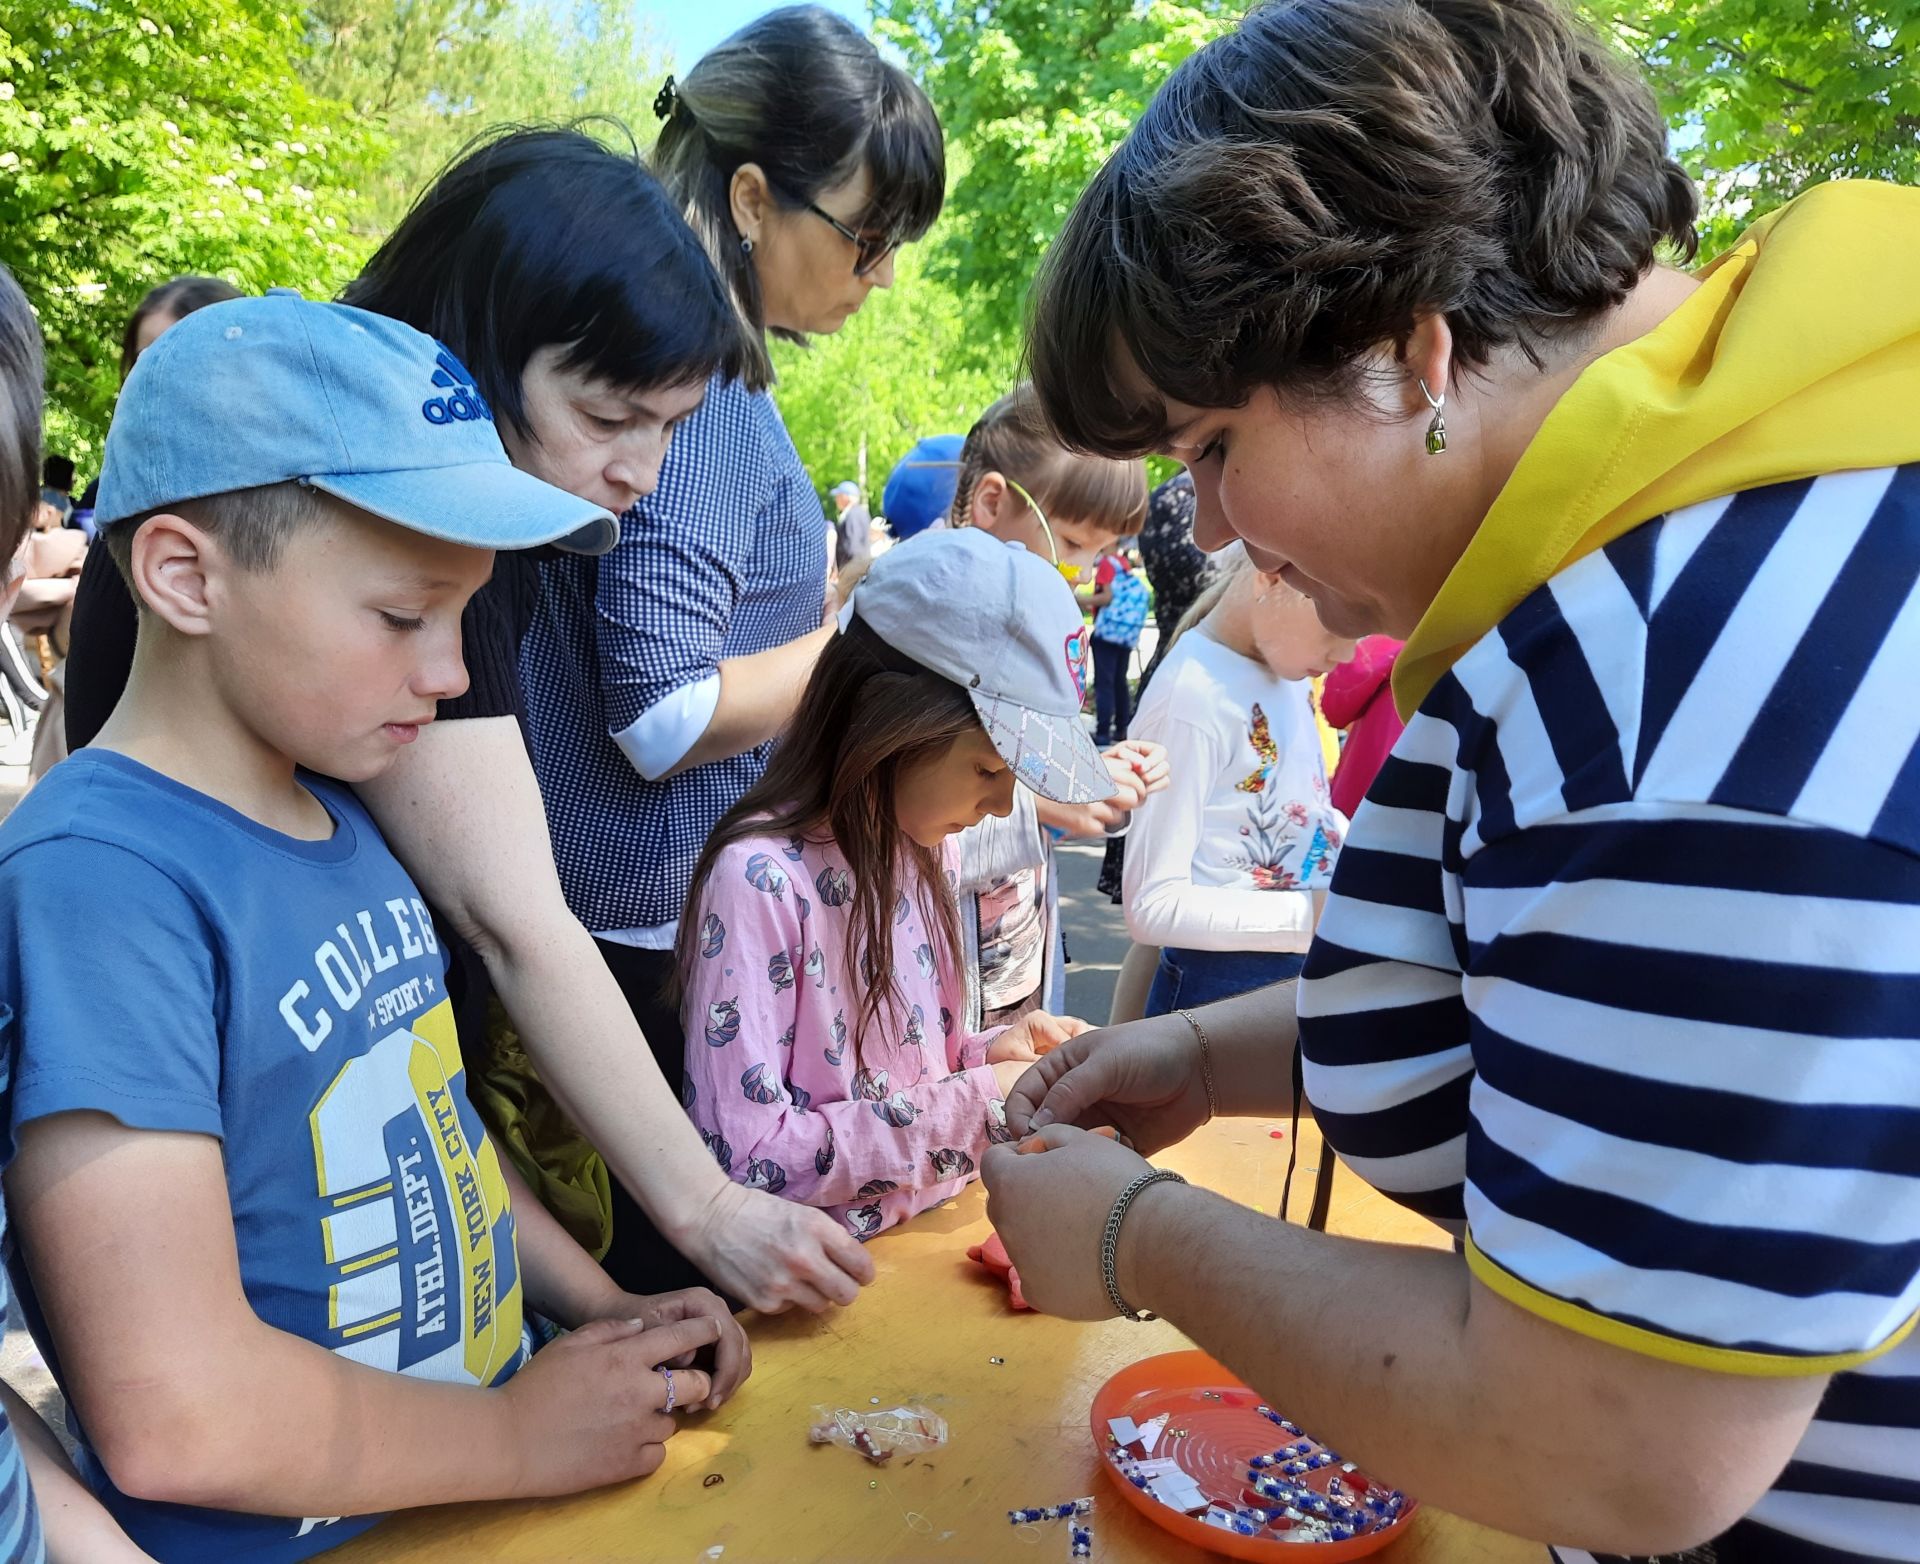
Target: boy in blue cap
point(266, 1242)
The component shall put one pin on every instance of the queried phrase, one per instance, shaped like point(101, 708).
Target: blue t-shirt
point(286, 997)
point(20, 1538)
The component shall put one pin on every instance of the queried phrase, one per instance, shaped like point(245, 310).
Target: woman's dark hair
point(802, 94)
point(178, 298)
point(867, 711)
point(1013, 439)
point(20, 394)
point(1301, 190)
point(535, 237)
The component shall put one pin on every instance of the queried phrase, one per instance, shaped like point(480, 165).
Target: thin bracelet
point(1110, 1240)
point(1206, 1061)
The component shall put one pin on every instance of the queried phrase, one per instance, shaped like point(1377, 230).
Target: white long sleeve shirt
point(1229, 855)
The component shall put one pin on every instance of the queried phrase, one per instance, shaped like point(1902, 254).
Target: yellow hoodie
point(1799, 354)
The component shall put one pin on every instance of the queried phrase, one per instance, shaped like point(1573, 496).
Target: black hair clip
point(665, 100)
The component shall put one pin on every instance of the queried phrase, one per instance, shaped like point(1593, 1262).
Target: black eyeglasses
point(869, 249)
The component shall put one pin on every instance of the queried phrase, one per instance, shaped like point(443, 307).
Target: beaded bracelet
point(1206, 1062)
point(1110, 1240)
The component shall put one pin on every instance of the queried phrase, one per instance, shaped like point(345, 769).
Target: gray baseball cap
point(280, 389)
point(1004, 625)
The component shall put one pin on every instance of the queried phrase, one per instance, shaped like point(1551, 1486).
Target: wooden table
point(928, 1330)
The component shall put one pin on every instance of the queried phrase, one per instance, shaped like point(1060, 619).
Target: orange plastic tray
point(1213, 1439)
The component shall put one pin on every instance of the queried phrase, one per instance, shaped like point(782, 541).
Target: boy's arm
point(189, 1397)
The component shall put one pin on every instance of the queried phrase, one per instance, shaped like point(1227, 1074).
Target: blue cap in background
point(920, 488)
point(277, 389)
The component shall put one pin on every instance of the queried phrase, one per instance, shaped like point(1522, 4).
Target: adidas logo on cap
point(465, 405)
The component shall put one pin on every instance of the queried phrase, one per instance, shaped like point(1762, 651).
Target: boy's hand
point(732, 1358)
point(590, 1409)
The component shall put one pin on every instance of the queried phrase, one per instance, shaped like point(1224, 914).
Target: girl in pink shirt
point(823, 990)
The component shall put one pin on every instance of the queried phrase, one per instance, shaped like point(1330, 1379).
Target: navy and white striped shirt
point(1620, 972)
point(727, 557)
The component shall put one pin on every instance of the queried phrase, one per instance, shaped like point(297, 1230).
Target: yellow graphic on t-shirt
point(419, 1233)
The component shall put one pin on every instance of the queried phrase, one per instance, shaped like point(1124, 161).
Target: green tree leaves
point(142, 140)
point(267, 144)
point(274, 144)
point(1766, 97)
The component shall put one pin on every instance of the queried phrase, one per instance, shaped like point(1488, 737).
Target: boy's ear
point(174, 563)
point(987, 501)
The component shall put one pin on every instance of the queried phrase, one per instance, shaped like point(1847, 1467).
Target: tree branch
point(1733, 51)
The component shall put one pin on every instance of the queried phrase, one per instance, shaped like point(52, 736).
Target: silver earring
point(746, 246)
point(1436, 430)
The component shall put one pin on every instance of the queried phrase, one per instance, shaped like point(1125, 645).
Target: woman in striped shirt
point(1617, 979)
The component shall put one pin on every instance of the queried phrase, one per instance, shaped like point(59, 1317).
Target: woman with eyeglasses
point(657, 676)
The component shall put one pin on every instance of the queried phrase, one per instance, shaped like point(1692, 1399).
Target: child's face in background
point(1288, 634)
point(997, 507)
point(338, 655)
point(941, 795)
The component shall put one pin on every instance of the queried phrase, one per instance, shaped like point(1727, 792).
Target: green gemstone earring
point(1436, 430)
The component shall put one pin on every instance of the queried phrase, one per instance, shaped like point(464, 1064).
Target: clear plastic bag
point(879, 1435)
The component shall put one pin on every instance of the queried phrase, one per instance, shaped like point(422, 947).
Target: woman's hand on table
point(1142, 1078)
point(776, 1254)
point(591, 1408)
point(732, 1354)
point(1034, 1036)
point(1048, 1199)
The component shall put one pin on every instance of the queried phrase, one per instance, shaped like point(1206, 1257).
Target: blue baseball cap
point(280, 389)
point(920, 488)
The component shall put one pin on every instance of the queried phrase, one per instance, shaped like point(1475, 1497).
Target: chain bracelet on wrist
point(1206, 1062)
point(1110, 1239)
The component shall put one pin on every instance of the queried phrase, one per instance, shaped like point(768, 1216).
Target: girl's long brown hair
point(868, 710)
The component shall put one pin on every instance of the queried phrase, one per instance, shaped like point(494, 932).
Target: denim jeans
point(1188, 979)
point(1112, 702)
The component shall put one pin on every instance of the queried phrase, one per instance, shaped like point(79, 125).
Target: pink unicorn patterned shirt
point(872, 1128)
